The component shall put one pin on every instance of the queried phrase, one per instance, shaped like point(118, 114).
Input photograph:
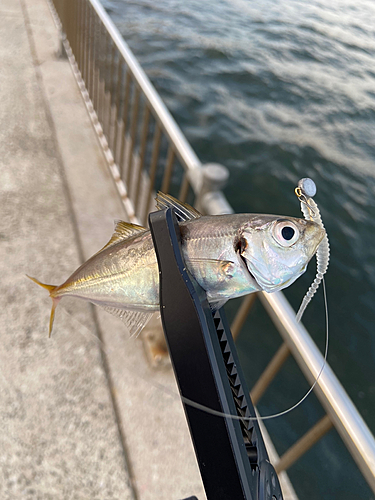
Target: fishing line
point(305, 191)
point(267, 417)
point(107, 350)
point(284, 412)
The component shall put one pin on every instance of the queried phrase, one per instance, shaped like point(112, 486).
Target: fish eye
point(285, 233)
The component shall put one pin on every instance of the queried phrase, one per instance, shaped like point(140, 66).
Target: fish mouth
point(244, 264)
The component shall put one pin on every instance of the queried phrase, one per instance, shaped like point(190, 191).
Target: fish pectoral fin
point(135, 321)
point(183, 211)
point(221, 267)
point(123, 231)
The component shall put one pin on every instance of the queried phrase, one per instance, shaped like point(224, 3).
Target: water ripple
point(278, 90)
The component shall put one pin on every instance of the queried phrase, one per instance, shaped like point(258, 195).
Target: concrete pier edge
point(81, 415)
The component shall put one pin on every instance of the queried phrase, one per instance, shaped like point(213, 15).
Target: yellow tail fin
point(55, 300)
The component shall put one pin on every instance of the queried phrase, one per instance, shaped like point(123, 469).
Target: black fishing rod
point(228, 442)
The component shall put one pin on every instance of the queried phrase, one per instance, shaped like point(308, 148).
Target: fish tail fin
point(50, 288)
point(55, 300)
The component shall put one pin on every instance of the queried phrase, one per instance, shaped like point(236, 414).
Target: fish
point(227, 255)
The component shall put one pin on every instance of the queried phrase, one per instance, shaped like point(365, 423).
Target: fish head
point(276, 249)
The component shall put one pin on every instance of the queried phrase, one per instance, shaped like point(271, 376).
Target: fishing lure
point(305, 191)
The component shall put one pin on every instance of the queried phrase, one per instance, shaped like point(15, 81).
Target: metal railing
point(146, 151)
point(145, 148)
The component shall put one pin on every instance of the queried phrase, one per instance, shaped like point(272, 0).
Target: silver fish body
point(228, 255)
point(122, 275)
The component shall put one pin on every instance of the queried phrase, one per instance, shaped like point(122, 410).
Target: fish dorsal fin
point(183, 211)
point(123, 231)
point(135, 321)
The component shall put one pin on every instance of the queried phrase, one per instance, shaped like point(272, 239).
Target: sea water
point(275, 91)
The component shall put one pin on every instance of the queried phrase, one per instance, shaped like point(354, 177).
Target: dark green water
point(277, 91)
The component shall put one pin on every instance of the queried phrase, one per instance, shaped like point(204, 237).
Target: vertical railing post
point(210, 198)
point(61, 54)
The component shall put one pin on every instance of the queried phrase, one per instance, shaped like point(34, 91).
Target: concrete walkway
point(81, 414)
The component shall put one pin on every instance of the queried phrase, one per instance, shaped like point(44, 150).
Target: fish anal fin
point(123, 231)
point(183, 211)
point(134, 320)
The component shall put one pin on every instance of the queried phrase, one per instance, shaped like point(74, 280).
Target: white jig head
point(305, 191)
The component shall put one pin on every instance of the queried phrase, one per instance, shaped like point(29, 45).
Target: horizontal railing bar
point(346, 418)
point(182, 148)
point(304, 444)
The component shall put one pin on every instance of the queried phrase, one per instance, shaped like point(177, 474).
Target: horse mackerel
point(228, 255)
